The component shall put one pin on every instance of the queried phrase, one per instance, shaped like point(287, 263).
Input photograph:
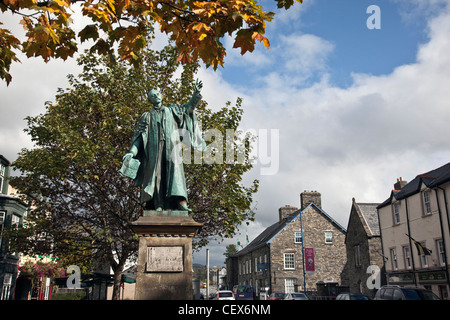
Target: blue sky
point(356, 49)
point(354, 109)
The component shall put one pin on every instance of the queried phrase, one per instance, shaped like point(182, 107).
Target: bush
point(78, 295)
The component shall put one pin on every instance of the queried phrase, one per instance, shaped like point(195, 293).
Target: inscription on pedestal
point(165, 259)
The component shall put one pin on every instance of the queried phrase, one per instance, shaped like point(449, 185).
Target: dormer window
point(396, 212)
point(426, 202)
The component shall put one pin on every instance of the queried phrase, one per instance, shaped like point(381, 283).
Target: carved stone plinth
point(164, 269)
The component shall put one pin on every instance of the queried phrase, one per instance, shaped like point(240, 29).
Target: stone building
point(364, 253)
point(274, 260)
point(414, 226)
point(12, 212)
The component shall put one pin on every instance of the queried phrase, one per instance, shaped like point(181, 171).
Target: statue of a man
point(156, 136)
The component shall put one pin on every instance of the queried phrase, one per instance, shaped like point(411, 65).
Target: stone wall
point(369, 248)
point(330, 258)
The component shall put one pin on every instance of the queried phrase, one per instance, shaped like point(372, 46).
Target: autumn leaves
point(197, 27)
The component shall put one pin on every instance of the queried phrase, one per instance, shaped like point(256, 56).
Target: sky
point(339, 107)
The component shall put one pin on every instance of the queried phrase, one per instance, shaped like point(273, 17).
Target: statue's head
point(154, 97)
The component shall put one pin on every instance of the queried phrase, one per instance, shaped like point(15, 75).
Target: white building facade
point(414, 225)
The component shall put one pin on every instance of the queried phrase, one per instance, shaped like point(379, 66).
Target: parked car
point(295, 296)
point(404, 293)
point(352, 296)
point(225, 295)
point(276, 296)
point(243, 292)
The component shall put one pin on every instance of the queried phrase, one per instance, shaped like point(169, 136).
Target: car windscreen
point(225, 294)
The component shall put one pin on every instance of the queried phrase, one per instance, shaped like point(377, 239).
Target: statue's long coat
point(155, 126)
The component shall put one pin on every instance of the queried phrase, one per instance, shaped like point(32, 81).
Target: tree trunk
point(117, 280)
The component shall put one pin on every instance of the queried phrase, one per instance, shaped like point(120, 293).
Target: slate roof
point(271, 232)
point(431, 179)
point(370, 216)
point(263, 238)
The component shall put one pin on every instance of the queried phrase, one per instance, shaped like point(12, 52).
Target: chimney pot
point(286, 211)
point(400, 183)
point(308, 197)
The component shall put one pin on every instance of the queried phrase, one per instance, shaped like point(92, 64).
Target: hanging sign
point(309, 260)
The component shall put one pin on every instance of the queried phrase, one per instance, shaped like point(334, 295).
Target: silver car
point(295, 296)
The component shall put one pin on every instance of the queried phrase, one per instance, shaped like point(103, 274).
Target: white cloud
point(343, 142)
point(354, 142)
point(304, 53)
point(292, 15)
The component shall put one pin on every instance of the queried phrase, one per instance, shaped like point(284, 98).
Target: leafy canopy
point(80, 203)
point(197, 27)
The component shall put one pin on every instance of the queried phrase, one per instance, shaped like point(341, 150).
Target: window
point(394, 259)
point(396, 212)
point(441, 252)
point(424, 258)
point(298, 237)
point(357, 256)
point(47, 288)
point(407, 255)
point(289, 285)
point(328, 237)
point(426, 202)
point(397, 295)
point(6, 287)
point(387, 293)
point(256, 264)
point(2, 177)
point(289, 261)
point(15, 220)
point(2, 219)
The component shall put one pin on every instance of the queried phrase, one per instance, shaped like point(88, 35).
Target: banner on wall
point(309, 260)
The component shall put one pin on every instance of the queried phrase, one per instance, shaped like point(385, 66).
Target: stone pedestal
point(164, 268)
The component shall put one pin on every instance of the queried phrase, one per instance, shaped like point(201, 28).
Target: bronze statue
point(150, 159)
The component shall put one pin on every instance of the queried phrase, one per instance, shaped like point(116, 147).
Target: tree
point(80, 203)
point(197, 27)
point(230, 250)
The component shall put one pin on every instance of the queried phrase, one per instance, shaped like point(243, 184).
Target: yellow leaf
point(262, 39)
point(62, 3)
point(112, 5)
point(201, 26)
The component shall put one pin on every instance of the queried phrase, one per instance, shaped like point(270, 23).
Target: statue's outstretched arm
point(196, 97)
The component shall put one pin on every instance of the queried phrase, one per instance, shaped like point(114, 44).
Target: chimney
point(308, 197)
point(400, 183)
point(286, 211)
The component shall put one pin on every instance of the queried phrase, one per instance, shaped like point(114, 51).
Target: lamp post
point(207, 274)
point(303, 253)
